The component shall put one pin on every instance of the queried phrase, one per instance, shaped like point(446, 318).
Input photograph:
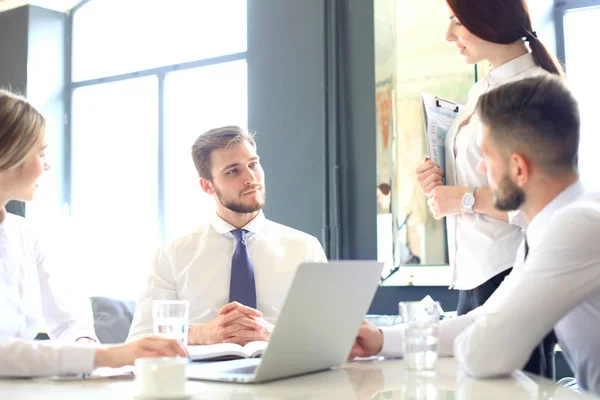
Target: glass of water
point(421, 339)
point(170, 319)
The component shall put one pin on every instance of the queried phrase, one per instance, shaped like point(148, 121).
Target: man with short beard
point(529, 139)
point(235, 270)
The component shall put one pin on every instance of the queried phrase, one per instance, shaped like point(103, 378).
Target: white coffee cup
point(162, 377)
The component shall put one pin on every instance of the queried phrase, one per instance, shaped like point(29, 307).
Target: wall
point(13, 47)
point(286, 107)
point(32, 44)
point(357, 132)
point(13, 68)
point(317, 153)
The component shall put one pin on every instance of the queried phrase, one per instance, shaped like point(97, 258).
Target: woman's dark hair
point(504, 22)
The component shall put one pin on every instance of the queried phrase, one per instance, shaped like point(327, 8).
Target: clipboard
point(449, 104)
point(439, 114)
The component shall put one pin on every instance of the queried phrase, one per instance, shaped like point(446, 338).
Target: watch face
point(468, 200)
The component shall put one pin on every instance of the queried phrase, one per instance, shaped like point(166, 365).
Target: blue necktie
point(242, 287)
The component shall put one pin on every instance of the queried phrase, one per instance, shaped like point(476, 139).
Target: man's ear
point(207, 186)
point(520, 168)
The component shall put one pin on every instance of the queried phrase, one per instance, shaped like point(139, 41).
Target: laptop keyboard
point(243, 370)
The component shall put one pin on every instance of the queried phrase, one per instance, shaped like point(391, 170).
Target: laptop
point(316, 328)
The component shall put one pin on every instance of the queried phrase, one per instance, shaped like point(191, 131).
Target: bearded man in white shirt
point(529, 139)
point(234, 271)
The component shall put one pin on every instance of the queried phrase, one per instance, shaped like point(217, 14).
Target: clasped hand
point(235, 323)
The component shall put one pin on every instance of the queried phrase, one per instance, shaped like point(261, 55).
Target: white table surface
point(383, 379)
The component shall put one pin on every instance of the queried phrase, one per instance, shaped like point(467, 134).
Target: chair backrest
point(112, 318)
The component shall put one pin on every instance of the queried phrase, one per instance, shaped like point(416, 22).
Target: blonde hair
point(218, 138)
point(21, 129)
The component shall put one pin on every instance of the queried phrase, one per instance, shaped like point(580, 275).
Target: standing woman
point(26, 287)
point(482, 241)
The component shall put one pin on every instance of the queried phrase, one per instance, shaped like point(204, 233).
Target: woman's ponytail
point(543, 58)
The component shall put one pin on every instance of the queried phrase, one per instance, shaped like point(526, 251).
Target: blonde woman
point(26, 290)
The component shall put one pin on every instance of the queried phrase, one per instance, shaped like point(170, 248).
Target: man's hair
point(214, 139)
point(537, 117)
point(21, 129)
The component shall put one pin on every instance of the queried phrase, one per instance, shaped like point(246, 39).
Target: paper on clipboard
point(439, 114)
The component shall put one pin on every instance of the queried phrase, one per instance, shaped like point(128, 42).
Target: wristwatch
point(468, 200)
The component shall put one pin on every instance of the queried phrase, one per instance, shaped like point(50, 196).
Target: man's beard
point(508, 196)
point(238, 206)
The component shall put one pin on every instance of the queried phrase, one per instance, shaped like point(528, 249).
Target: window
point(147, 79)
point(219, 98)
point(113, 37)
point(114, 180)
point(407, 234)
point(580, 25)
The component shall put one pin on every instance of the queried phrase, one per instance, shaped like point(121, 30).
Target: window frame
point(561, 7)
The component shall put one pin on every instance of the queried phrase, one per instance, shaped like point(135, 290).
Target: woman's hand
point(115, 356)
point(429, 175)
point(446, 200)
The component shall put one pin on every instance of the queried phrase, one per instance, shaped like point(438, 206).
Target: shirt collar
point(510, 69)
point(540, 222)
point(224, 227)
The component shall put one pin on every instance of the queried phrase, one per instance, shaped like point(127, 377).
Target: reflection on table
point(376, 379)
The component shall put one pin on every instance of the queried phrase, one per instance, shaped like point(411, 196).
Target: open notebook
point(226, 351)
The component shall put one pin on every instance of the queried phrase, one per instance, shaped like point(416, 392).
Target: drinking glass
point(421, 334)
point(170, 319)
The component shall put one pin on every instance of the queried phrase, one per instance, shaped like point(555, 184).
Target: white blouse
point(29, 294)
point(479, 246)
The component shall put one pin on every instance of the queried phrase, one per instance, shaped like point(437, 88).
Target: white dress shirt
point(479, 246)
point(28, 295)
point(558, 286)
point(197, 268)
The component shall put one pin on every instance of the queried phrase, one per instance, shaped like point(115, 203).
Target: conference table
point(376, 379)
